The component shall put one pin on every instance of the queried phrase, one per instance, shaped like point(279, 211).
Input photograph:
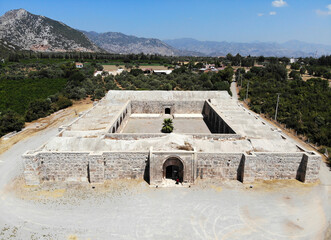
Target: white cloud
point(279, 3)
point(272, 13)
point(260, 14)
point(328, 12)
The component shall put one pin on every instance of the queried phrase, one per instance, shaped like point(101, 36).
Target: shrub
point(63, 102)
point(37, 109)
point(98, 93)
point(10, 121)
point(167, 126)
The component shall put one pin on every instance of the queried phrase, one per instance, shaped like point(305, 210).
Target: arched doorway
point(167, 111)
point(173, 168)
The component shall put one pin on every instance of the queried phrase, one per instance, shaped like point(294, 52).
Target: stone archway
point(173, 168)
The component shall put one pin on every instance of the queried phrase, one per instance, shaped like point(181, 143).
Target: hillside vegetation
point(304, 106)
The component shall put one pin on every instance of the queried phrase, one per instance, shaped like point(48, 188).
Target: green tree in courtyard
point(167, 126)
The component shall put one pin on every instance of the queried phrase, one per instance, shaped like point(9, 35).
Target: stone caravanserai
point(214, 137)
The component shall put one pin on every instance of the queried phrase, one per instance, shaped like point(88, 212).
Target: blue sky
point(215, 20)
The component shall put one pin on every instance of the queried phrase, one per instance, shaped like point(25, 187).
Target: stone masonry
point(241, 145)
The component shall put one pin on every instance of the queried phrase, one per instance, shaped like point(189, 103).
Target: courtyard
point(153, 125)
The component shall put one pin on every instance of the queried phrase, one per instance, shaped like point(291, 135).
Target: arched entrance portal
point(167, 111)
point(173, 168)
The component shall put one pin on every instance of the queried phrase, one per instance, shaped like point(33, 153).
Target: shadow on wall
point(301, 173)
point(241, 169)
point(146, 171)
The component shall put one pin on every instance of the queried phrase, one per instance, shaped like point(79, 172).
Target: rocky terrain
point(39, 33)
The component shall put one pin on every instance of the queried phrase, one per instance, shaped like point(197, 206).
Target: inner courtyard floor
point(154, 125)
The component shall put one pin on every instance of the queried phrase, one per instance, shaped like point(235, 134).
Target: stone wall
point(220, 165)
point(83, 166)
point(176, 107)
point(122, 116)
point(45, 166)
point(127, 165)
point(134, 136)
point(214, 120)
point(97, 167)
point(269, 166)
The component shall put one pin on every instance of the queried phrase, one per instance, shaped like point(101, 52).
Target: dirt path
point(234, 90)
point(118, 85)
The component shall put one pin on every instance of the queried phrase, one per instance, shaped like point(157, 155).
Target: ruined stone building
point(214, 137)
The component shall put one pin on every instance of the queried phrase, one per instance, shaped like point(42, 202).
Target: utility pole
point(239, 77)
point(277, 106)
point(247, 90)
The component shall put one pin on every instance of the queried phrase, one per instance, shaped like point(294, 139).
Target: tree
point(199, 65)
point(37, 109)
point(295, 66)
point(167, 126)
point(136, 72)
point(327, 75)
point(98, 93)
point(302, 70)
point(10, 121)
point(295, 75)
point(63, 102)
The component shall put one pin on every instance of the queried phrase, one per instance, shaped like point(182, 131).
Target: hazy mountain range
point(289, 49)
point(21, 29)
point(115, 42)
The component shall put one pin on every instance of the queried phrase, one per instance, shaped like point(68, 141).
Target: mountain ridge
point(39, 33)
point(116, 42)
point(28, 31)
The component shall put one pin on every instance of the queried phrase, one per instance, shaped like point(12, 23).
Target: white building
point(293, 60)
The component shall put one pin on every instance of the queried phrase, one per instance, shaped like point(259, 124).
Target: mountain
point(115, 42)
point(296, 45)
point(213, 48)
point(39, 33)
point(21, 29)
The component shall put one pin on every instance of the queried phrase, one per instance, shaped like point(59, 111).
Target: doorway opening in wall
point(173, 169)
point(167, 111)
point(172, 172)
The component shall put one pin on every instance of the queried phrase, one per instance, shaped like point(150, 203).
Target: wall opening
point(167, 111)
point(173, 168)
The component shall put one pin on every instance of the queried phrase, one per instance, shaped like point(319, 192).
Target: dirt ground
point(130, 209)
point(155, 125)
